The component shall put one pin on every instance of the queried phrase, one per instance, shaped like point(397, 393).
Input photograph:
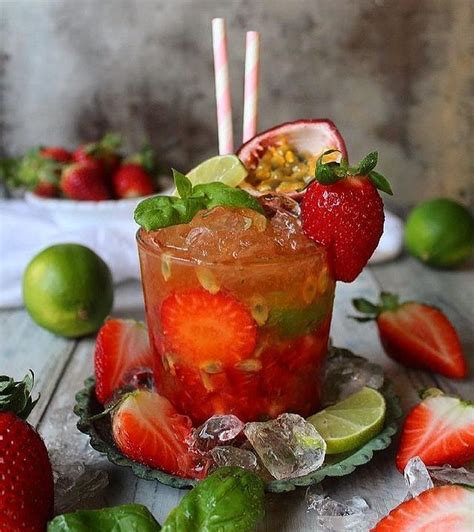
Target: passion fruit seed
point(259, 310)
point(206, 381)
point(323, 281)
point(165, 266)
point(169, 363)
point(212, 367)
point(207, 280)
point(310, 288)
point(251, 364)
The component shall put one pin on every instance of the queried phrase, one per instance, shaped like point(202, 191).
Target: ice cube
point(288, 446)
point(347, 374)
point(215, 431)
point(353, 514)
point(227, 455)
point(417, 477)
point(451, 475)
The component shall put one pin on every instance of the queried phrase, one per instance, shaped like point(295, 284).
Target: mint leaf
point(368, 163)
point(220, 194)
point(380, 182)
point(163, 211)
point(183, 184)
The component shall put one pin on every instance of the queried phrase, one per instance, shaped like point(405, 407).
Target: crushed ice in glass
point(215, 431)
point(77, 472)
point(451, 475)
point(347, 374)
point(288, 446)
point(227, 455)
point(353, 514)
point(417, 477)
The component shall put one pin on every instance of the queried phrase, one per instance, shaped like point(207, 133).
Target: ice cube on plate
point(417, 477)
point(288, 446)
point(215, 431)
point(347, 374)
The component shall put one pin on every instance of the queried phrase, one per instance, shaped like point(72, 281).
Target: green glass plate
point(335, 466)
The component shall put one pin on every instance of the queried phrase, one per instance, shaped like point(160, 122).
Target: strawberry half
point(121, 350)
point(147, 428)
point(440, 430)
point(416, 335)
point(203, 328)
point(445, 509)
point(132, 180)
point(343, 211)
point(26, 477)
point(84, 181)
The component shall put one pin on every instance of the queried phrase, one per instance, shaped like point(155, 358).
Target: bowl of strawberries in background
point(94, 183)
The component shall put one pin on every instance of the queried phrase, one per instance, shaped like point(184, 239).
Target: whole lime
point(440, 232)
point(68, 290)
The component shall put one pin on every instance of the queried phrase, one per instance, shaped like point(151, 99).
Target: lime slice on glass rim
point(227, 169)
point(352, 422)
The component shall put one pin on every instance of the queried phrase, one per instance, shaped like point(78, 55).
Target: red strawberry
point(46, 190)
point(343, 211)
point(26, 478)
point(57, 153)
point(203, 328)
point(147, 428)
point(440, 430)
point(442, 509)
point(416, 335)
point(131, 180)
point(103, 152)
point(121, 350)
point(84, 181)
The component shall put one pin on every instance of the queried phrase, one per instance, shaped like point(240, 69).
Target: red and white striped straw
point(252, 67)
point(223, 94)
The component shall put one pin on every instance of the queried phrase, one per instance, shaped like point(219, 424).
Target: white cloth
point(25, 230)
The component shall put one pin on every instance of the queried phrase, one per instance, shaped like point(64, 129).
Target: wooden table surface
point(61, 365)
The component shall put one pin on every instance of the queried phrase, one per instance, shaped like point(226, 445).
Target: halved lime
point(227, 169)
point(351, 423)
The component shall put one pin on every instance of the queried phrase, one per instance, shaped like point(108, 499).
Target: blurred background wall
point(395, 75)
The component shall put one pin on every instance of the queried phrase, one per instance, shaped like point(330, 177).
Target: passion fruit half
point(283, 158)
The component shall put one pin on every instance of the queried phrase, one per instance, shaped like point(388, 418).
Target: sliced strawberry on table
point(442, 509)
point(57, 153)
point(147, 428)
point(416, 335)
point(204, 329)
point(343, 211)
point(440, 430)
point(132, 180)
point(84, 181)
point(121, 349)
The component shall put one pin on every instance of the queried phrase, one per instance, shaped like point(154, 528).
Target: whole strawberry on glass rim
point(26, 477)
point(342, 210)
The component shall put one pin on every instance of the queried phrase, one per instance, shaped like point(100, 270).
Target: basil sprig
point(163, 211)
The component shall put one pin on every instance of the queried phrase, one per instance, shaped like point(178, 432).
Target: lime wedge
point(351, 423)
point(227, 169)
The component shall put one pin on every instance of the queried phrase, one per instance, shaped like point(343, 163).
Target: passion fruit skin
point(312, 136)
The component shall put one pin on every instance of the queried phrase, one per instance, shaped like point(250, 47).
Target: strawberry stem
point(16, 396)
point(388, 302)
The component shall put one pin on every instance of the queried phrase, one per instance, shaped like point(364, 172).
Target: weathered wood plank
point(26, 346)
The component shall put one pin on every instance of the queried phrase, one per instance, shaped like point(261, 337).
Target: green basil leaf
point(294, 322)
point(125, 517)
point(368, 163)
point(163, 211)
point(220, 194)
point(183, 184)
point(380, 182)
point(231, 499)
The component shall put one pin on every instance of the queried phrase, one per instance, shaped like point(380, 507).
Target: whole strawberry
point(57, 153)
point(39, 173)
point(132, 180)
point(26, 478)
point(84, 181)
point(343, 211)
point(103, 152)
